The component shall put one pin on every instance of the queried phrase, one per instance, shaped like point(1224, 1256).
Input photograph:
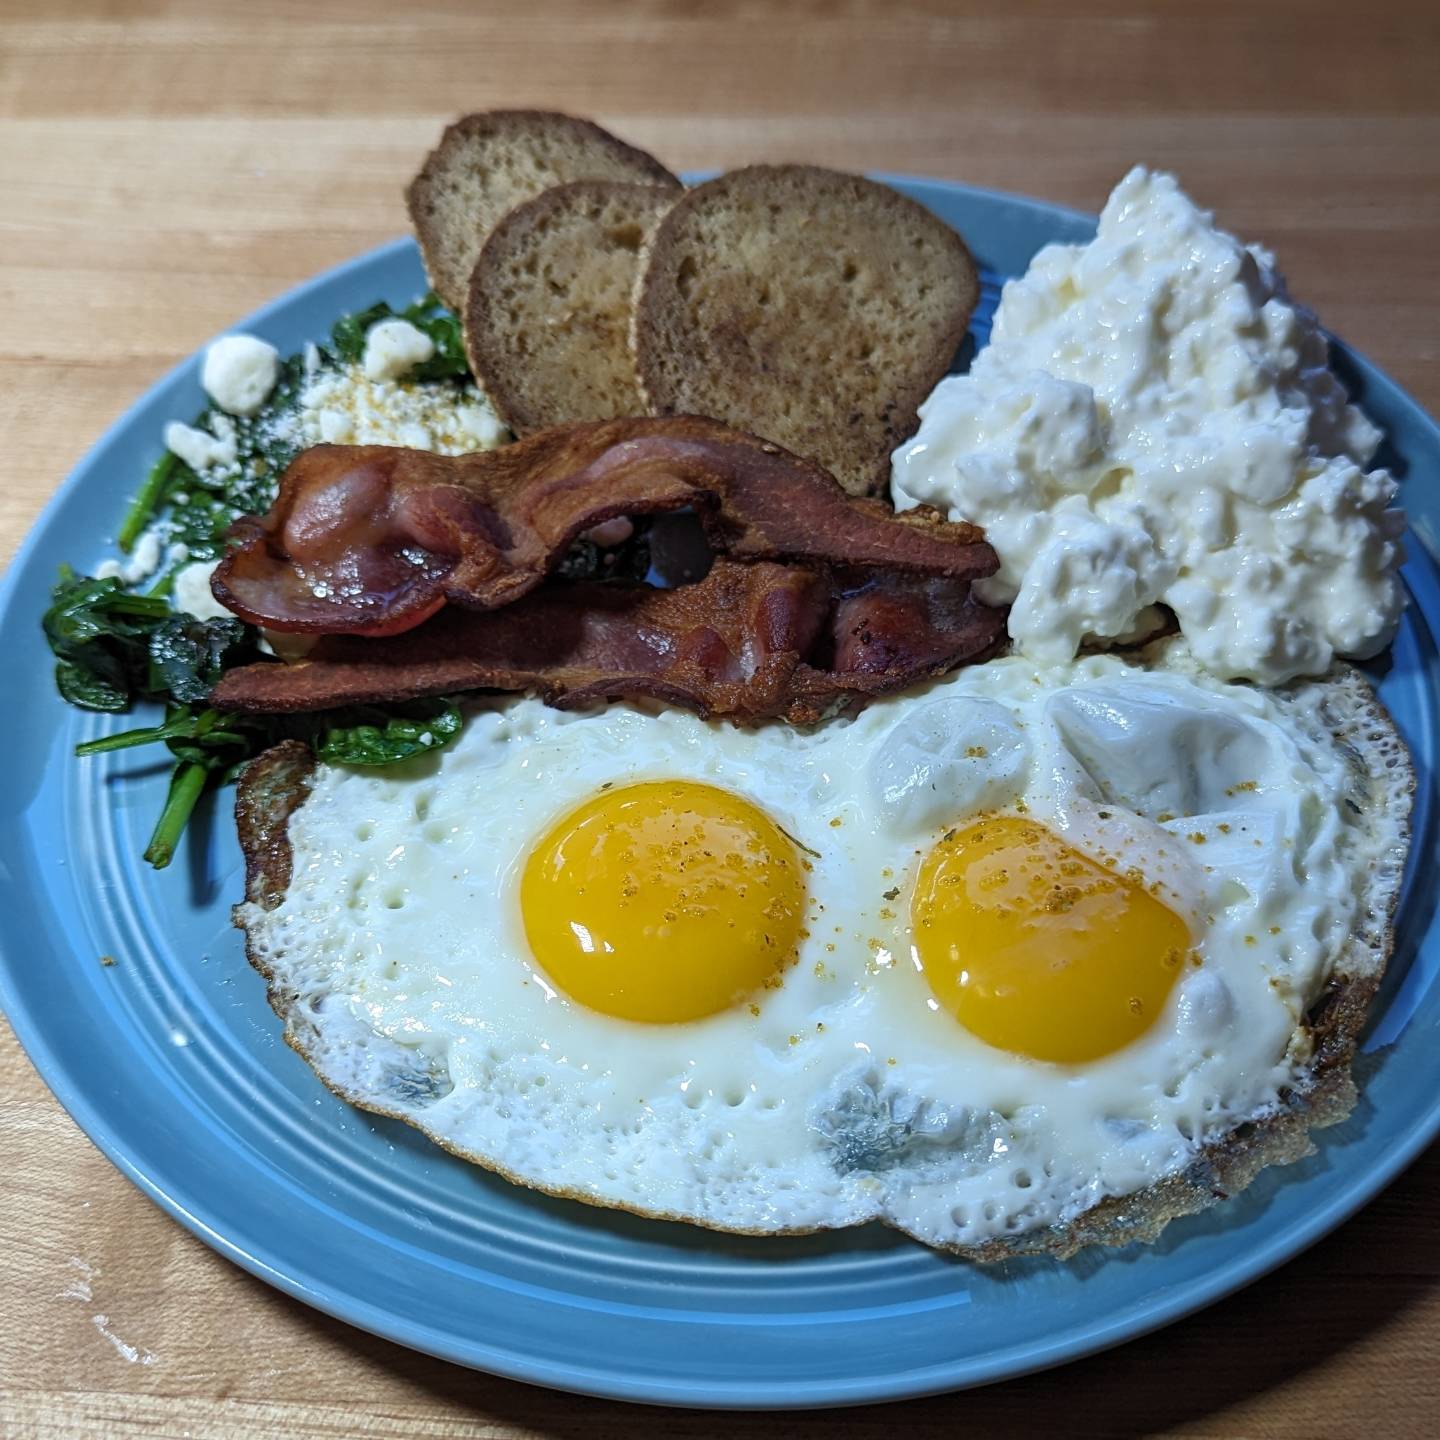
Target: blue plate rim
point(1139, 1318)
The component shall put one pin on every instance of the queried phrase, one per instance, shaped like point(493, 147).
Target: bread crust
point(810, 306)
point(556, 147)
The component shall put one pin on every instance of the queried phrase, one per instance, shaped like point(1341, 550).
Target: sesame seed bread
point(813, 308)
point(547, 318)
point(486, 164)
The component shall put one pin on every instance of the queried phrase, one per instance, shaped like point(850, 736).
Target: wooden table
point(166, 167)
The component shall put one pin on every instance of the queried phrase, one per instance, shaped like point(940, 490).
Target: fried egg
point(970, 962)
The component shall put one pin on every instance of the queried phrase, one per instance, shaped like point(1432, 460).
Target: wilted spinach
point(113, 647)
point(188, 656)
point(200, 508)
point(206, 744)
point(347, 339)
point(100, 636)
point(211, 746)
point(383, 737)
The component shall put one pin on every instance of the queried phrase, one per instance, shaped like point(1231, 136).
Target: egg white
point(850, 1095)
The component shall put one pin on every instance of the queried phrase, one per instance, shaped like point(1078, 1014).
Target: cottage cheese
point(239, 373)
point(1154, 421)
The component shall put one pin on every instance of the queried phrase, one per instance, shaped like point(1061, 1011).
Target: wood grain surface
point(167, 167)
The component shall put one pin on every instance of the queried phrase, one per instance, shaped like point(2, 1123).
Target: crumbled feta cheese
point(336, 427)
point(341, 405)
point(484, 424)
point(146, 556)
point(239, 372)
point(199, 449)
point(192, 592)
point(144, 560)
point(394, 348)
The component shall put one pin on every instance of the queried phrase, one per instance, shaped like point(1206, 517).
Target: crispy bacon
point(373, 540)
point(750, 641)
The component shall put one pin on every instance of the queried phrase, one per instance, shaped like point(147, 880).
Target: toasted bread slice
point(488, 163)
point(547, 321)
point(811, 307)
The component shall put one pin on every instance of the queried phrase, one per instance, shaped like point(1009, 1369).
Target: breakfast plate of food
point(771, 789)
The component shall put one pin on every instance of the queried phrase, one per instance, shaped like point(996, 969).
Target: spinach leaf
point(449, 360)
point(99, 634)
point(200, 524)
point(84, 610)
point(210, 747)
point(347, 339)
point(111, 646)
point(366, 736)
point(187, 656)
point(97, 684)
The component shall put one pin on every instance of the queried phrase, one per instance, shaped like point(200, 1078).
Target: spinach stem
point(148, 607)
point(123, 741)
point(142, 507)
point(186, 785)
point(165, 585)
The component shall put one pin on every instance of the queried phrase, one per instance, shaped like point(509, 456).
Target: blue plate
point(172, 1062)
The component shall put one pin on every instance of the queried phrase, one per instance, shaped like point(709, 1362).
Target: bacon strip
point(373, 540)
point(750, 641)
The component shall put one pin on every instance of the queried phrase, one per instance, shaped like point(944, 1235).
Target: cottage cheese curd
point(1154, 422)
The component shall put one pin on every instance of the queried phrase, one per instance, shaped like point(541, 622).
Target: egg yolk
point(663, 902)
point(1036, 948)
